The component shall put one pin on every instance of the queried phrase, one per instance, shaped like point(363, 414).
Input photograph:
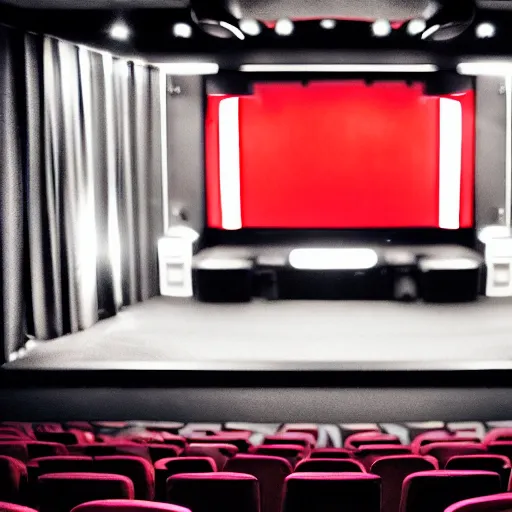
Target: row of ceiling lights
point(120, 31)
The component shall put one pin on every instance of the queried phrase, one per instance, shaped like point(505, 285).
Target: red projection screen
point(340, 155)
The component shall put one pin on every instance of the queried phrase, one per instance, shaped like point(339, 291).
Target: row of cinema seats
point(55, 468)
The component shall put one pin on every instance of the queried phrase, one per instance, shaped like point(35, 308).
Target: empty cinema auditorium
point(255, 256)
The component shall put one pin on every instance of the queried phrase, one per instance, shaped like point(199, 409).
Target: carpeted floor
point(180, 333)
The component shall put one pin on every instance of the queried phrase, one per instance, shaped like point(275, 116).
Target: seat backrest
point(498, 434)
point(433, 491)
point(164, 468)
point(271, 473)
point(11, 507)
point(105, 449)
point(393, 470)
point(137, 469)
point(128, 506)
point(500, 448)
point(220, 453)
point(61, 464)
point(329, 466)
point(300, 438)
point(61, 492)
point(38, 449)
point(332, 492)
point(291, 452)
point(443, 452)
point(427, 437)
point(58, 437)
point(163, 451)
point(12, 432)
point(369, 453)
point(356, 440)
point(214, 492)
point(17, 450)
point(13, 480)
point(240, 441)
point(495, 503)
point(307, 428)
point(330, 453)
point(498, 463)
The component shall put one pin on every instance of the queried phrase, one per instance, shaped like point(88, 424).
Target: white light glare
point(333, 259)
point(182, 30)
point(250, 26)
point(485, 30)
point(189, 68)
point(341, 68)
point(486, 68)
point(416, 27)
point(328, 24)
point(119, 31)
point(381, 28)
point(430, 31)
point(284, 27)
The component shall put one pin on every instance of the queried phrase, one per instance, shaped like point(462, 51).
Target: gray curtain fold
point(90, 166)
point(11, 201)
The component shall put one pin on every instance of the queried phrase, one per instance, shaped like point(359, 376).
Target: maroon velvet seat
point(239, 440)
point(271, 473)
point(61, 492)
point(174, 440)
point(299, 438)
point(128, 506)
point(164, 468)
point(15, 450)
point(356, 440)
point(58, 437)
point(498, 434)
point(307, 428)
point(12, 432)
point(500, 448)
point(26, 450)
point(330, 453)
point(433, 491)
point(11, 507)
point(329, 466)
point(13, 480)
point(163, 451)
point(393, 470)
point(443, 452)
point(332, 492)
point(219, 452)
point(61, 464)
point(495, 503)
point(498, 463)
point(430, 436)
point(214, 492)
point(112, 448)
point(369, 453)
point(137, 469)
point(291, 452)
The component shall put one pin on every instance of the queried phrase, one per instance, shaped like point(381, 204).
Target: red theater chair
point(61, 464)
point(330, 492)
point(271, 473)
point(11, 507)
point(303, 439)
point(214, 492)
point(433, 491)
point(61, 492)
point(165, 468)
point(496, 503)
point(497, 463)
point(432, 436)
point(500, 448)
point(498, 434)
point(240, 441)
point(304, 428)
point(128, 506)
point(393, 470)
point(220, 453)
point(13, 480)
point(58, 437)
point(443, 452)
point(15, 450)
point(369, 453)
point(174, 440)
point(106, 449)
point(329, 466)
point(162, 451)
point(137, 469)
point(330, 453)
point(356, 440)
point(291, 452)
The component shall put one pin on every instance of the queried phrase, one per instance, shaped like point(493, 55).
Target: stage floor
point(165, 333)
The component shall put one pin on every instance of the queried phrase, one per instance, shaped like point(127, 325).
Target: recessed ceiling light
point(431, 30)
point(485, 30)
point(119, 31)
point(182, 30)
point(416, 27)
point(381, 28)
point(250, 26)
point(328, 24)
point(284, 27)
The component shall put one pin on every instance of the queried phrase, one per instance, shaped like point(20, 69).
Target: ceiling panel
point(96, 4)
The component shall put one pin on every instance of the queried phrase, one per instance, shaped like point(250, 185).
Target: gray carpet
point(180, 333)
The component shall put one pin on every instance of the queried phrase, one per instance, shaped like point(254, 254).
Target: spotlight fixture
point(328, 24)
point(250, 26)
point(284, 27)
point(119, 31)
point(485, 30)
point(333, 259)
point(381, 28)
point(416, 26)
point(183, 30)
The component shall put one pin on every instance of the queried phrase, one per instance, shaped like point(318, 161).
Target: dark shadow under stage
point(165, 333)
